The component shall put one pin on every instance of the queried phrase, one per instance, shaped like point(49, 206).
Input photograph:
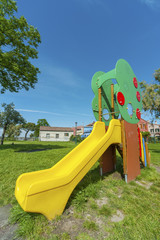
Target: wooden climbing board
point(132, 161)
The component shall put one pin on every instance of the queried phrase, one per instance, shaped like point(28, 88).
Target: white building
point(55, 133)
point(154, 129)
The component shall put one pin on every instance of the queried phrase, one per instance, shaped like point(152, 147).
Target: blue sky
point(79, 38)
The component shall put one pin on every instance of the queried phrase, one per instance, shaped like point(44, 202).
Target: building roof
point(56, 129)
point(143, 121)
point(78, 127)
point(90, 124)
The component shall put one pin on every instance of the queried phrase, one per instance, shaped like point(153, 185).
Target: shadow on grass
point(30, 147)
point(154, 150)
point(91, 178)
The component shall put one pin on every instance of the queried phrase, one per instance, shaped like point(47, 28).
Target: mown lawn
point(99, 208)
point(155, 153)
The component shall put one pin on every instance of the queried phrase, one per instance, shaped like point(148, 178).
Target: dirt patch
point(72, 226)
point(147, 185)
point(157, 168)
point(102, 201)
point(116, 175)
point(119, 195)
point(117, 217)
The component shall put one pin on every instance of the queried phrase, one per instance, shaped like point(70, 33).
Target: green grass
point(90, 225)
point(138, 205)
point(24, 157)
point(155, 153)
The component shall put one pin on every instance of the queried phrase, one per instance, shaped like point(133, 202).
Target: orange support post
point(100, 103)
point(124, 149)
point(112, 100)
point(147, 154)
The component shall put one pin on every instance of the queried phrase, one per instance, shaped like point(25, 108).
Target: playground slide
point(47, 191)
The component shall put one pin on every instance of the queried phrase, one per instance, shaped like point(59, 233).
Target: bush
point(75, 138)
point(145, 135)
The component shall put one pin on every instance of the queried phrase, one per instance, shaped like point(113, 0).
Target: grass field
point(99, 208)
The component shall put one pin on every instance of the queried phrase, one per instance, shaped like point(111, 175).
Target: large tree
point(40, 122)
point(8, 117)
point(151, 95)
point(18, 44)
point(28, 127)
point(157, 75)
point(13, 131)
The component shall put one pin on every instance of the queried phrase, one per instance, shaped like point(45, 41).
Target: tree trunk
point(25, 138)
point(3, 134)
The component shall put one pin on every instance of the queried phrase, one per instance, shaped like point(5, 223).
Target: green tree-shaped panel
point(128, 85)
point(106, 99)
point(127, 93)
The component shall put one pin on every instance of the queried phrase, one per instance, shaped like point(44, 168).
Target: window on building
point(143, 125)
point(57, 135)
point(157, 130)
point(66, 134)
point(47, 135)
point(152, 130)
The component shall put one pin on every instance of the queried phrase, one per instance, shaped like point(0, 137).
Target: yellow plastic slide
point(47, 191)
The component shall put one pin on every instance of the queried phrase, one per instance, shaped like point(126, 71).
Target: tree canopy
point(157, 75)
point(151, 95)
point(28, 127)
point(9, 117)
point(40, 122)
point(13, 131)
point(18, 45)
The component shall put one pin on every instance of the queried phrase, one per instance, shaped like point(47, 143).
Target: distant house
point(91, 124)
point(154, 129)
point(87, 130)
point(79, 130)
point(55, 133)
point(143, 125)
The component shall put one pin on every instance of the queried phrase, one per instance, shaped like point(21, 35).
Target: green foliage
point(72, 137)
point(64, 236)
point(13, 131)
point(40, 122)
point(36, 131)
point(151, 95)
point(157, 74)
point(18, 43)
point(78, 138)
point(85, 236)
point(145, 134)
point(28, 127)
point(32, 135)
point(75, 138)
point(105, 210)
point(90, 225)
point(9, 117)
